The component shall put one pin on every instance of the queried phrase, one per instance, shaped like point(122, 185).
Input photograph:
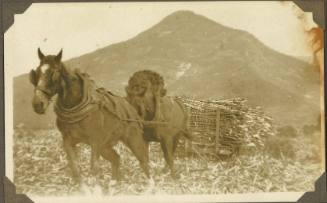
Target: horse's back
point(119, 106)
point(173, 112)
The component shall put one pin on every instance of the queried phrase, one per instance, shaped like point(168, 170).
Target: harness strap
point(45, 91)
point(96, 99)
point(80, 111)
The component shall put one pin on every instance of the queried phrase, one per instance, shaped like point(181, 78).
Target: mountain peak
point(183, 13)
point(201, 58)
point(185, 22)
point(183, 16)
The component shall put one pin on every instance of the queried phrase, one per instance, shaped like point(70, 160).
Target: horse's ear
point(41, 55)
point(33, 78)
point(59, 56)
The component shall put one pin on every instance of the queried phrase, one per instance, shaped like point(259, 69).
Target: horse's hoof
point(150, 186)
point(175, 176)
point(77, 180)
point(94, 172)
point(151, 182)
point(165, 169)
point(113, 183)
point(116, 176)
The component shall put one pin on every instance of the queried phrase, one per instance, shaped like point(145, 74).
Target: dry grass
point(40, 168)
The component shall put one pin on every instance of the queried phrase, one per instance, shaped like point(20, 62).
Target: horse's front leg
point(69, 147)
point(167, 145)
point(95, 154)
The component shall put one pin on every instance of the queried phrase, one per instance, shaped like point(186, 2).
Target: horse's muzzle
point(40, 104)
point(39, 108)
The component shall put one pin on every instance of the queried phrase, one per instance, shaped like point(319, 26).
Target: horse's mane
point(86, 77)
point(143, 79)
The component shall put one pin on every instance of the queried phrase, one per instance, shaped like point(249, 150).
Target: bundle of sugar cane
point(240, 126)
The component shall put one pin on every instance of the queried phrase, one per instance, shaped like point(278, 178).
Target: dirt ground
point(40, 168)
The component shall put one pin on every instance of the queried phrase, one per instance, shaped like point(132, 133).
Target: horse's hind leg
point(167, 146)
point(111, 155)
point(175, 144)
point(140, 149)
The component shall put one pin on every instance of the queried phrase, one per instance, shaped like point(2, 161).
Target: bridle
point(46, 91)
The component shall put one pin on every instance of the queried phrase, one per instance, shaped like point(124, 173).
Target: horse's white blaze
point(40, 94)
point(44, 68)
point(41, 83)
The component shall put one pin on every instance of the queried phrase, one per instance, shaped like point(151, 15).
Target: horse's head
point(46, 80)
point(141, 96)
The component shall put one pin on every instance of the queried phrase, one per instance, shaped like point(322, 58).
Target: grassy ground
point(40, 168)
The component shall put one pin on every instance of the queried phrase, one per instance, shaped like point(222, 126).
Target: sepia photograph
point(164, 101)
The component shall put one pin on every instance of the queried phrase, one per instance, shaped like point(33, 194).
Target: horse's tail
point(187, 134)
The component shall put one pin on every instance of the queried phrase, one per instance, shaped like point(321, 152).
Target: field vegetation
point(40, 167)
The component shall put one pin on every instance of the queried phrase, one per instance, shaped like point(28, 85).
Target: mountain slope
point(201, 58)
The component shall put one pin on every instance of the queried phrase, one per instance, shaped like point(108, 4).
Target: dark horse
point(81, 119)
point(165, 117)
point(172, 126)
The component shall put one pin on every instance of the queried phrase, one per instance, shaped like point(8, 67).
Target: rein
point(152, 123)
point(94, 99)
point(44, 91)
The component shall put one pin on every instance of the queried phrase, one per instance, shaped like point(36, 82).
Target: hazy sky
point(80, 28)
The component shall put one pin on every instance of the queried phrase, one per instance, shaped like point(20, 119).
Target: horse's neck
point(72, 90)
